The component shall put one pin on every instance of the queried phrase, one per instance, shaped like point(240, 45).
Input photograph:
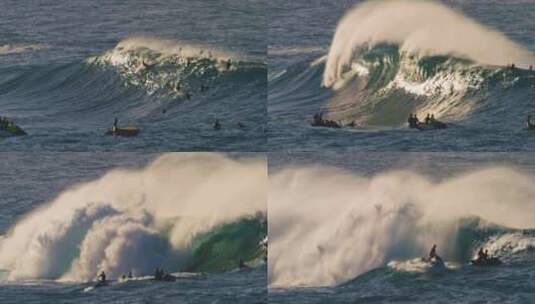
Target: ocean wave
point(176, 213)
point(174, 68)
point(424, 28)
point(354, 224)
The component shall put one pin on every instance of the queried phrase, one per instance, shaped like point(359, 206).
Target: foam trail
point(417, 27)
point(327, 226)
point(134, 219)
point(19, 48)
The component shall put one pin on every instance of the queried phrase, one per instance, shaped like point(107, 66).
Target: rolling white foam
point(133, 220)
point(327, 226)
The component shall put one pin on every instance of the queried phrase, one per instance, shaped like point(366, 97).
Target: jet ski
point(166, 277)
point(492, 261)
point(437, 264)
point(126, 131)
point(101, 284)
point(436, 125)
point(326, 124)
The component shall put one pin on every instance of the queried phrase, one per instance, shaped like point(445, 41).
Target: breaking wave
point(328, 227)
point(182, 212)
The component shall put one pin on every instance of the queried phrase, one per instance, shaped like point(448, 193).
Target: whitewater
point(355, 227)
point(182, 212)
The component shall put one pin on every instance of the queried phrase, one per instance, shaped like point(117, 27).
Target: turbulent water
point(353, 228)
point(375, 62)
point(170, 68)
point(130, 212)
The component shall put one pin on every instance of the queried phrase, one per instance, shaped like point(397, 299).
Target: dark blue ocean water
point(485, 117)
point(345, 234)
point(208, 273)
point(57, 83)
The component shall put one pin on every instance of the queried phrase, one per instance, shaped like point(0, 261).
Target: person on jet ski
point(413, 120)
point(428, 119)
point(102, 277)
point(410, 120)
point(481, 255)
point(433, 254)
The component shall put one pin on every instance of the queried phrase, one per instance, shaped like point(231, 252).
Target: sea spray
point(328, 226)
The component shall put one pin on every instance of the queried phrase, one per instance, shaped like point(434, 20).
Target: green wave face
point(222, 248)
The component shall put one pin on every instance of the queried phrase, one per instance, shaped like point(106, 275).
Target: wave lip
point(425, 28)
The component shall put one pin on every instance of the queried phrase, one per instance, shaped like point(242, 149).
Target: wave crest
point(424, 28)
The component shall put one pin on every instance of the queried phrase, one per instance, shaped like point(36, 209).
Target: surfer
point(229, 64)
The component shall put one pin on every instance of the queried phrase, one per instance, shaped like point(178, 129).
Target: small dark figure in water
point(217, 125)
point(115, 123)
point(529, 125)
point(240, 125)
point(241, 264)
point(158, 274)
point(531, 68)
point(102, 277)
point(482, 255)
point(203, 88)
point(187, 96)
point(432, 120)
point(513, 66)
point(130, 275)
point(229, 64)
point(164, 111)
